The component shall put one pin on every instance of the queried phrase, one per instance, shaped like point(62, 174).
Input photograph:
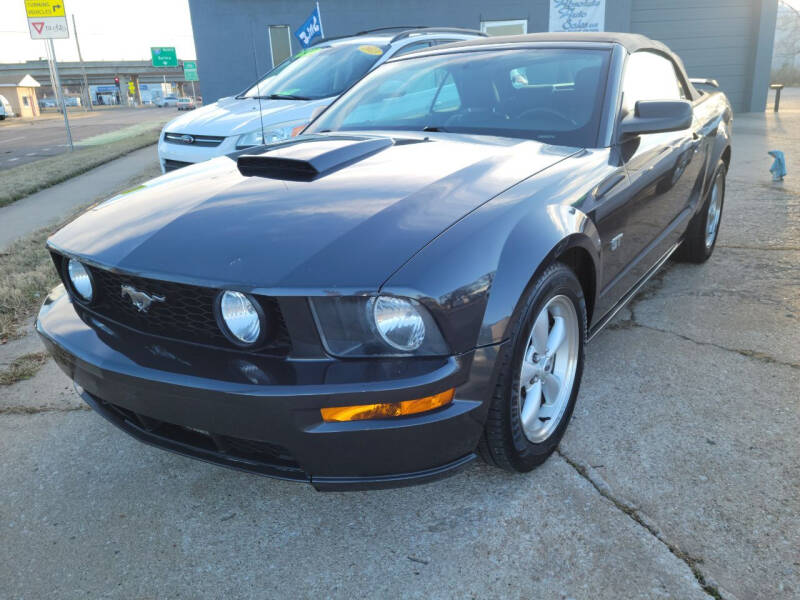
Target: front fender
point(530, 248)
point(472, 277)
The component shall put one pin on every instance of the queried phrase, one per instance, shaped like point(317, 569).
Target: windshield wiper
point(434, 128)
point(282, 97)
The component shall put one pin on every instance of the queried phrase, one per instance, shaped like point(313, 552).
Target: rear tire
point(701, 235)
point(539, 376)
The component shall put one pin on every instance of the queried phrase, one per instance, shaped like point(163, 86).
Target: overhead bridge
point(98, 73)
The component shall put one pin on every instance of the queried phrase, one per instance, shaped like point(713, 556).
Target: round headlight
point(398, 322)
point(80, 279)
point(241, 317)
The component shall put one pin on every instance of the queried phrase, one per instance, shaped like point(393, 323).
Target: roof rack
point(377, 29)
point(426, 29)
point(405, 31)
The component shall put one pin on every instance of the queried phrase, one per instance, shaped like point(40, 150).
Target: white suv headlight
point(269, 135)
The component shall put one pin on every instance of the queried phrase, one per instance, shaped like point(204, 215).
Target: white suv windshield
point(318, 72)
point(551, 95)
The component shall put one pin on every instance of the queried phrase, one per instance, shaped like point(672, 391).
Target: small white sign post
point(47, 20)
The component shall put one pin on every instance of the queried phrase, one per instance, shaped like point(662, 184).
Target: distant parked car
point(285, 99)
point(47, 103)
point(185, 103)
point(5, 108)
point(170, 100)
point(72, 101)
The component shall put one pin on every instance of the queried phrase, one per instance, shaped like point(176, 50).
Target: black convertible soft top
point(632, 42)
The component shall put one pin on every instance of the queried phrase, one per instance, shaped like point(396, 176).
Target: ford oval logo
point(186, 139)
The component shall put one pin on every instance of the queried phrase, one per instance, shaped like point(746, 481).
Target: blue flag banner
point(310, 29)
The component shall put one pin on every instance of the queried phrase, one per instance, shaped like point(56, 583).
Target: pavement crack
point(631, 511)
point(773, 248)
point(754, 354)
point(36, 410)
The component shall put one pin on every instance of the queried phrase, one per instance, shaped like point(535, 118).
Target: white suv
point(285, 99)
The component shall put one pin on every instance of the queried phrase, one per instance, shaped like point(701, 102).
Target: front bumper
point(261, 414)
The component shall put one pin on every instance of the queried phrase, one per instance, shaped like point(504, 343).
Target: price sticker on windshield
point(373, 50)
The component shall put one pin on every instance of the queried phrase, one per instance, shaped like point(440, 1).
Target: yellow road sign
point(36, 9)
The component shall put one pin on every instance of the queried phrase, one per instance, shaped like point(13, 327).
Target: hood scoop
point(311, 157)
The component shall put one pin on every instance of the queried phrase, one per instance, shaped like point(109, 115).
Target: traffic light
point(116, 81)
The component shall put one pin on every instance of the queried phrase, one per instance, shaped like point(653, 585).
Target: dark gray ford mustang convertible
point(408, 283)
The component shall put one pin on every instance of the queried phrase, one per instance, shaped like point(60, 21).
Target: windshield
point(551, 95)
point(318, 72)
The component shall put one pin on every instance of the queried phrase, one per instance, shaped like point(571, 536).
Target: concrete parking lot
point(679, 476)
point(27, 140)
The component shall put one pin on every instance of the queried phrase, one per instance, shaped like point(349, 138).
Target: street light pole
point(83, 67)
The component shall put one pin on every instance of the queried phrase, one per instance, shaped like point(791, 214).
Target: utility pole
point(59, 91)
point(83, 67)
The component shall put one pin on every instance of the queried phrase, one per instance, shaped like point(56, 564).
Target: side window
point(649, 76)
point(412, 48)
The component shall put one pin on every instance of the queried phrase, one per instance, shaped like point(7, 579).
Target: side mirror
point(657, 116)
point(703, 81)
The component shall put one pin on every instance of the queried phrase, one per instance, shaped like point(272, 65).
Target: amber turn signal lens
point(387, 409)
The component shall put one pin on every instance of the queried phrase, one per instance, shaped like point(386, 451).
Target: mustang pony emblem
point(140, 300)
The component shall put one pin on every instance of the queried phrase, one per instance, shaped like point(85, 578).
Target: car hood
point(235, 116)
point(346, 231)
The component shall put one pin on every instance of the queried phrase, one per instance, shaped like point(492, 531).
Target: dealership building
point(728, 40)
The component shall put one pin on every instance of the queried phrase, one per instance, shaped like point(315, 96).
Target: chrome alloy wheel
point(548, 368)
point(714, 213)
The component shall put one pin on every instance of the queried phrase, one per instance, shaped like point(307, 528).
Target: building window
point(514, 27)
point(280, 43)
point(25, 101)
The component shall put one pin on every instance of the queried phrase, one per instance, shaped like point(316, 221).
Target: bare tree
point(787, 45)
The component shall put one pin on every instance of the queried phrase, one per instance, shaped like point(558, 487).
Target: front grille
point(209, 141)
point(186, 314)
point(172, 165)
point(261, 457)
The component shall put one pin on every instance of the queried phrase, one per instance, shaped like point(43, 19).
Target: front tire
point(701, 235)
point(540, 373)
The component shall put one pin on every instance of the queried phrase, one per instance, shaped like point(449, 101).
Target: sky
point(108, 30)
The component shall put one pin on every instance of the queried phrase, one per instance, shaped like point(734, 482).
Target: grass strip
point(27, 272)
point(18, 182)
point(23, 367)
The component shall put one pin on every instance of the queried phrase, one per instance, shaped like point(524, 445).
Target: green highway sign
point(164, 56)
point(190, 70)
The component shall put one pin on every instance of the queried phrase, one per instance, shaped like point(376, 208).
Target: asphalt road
point(27, 140)
point(679, 476)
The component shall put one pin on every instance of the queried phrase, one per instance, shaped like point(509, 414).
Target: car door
point(662, 168)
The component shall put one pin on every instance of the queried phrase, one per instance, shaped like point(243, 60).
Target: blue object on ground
point(778, 168)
